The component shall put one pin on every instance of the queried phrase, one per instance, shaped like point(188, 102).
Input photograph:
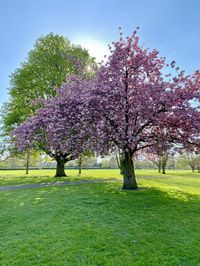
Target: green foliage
point(99, 224)
point(113, 163)
point(189, 159)
point(84, 158)
point(105, 163)
point(47, 66)
point(20, 159)
point(181, 163)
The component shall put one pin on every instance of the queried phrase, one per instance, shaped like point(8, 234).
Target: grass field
point(99, 224)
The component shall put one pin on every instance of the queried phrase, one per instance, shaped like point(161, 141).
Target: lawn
point(16, 177)
point(99, 224)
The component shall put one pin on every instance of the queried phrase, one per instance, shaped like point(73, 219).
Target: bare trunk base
point(27, 162)
point(79, 169)
point(163, 168)
point(193, 169)
point(159, 167)
point(127, 169)
point(164, 163)
point(60, 169)
point(163, 171)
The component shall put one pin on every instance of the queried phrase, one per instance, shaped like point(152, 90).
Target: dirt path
point(57, 184)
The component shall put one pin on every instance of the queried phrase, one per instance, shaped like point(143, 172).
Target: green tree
point(83, 157)
point(105, 163)
point(190, 159)
point(47, 66)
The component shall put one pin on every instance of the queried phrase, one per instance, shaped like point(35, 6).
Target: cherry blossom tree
point(132, 97)
point(61, 127)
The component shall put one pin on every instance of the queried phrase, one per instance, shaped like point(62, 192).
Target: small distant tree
point(2, 150)
point(105, 163)
point(2, 147)
point(160, 153)
point(155, 159)
point(83, 158)
point(90, 162)
point(113, 162)
point(191, 159)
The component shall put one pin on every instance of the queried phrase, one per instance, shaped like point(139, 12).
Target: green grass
point(15, 177)
point(99, 224)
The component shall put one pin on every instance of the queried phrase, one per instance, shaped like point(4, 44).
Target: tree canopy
point(132, 98)
point(47, 66)
point(61, 128)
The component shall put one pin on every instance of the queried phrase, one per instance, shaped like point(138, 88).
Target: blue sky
point(171, 26)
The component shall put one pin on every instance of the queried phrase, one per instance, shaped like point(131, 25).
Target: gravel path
point(57, 184)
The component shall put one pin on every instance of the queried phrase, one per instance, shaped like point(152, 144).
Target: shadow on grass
point(99, 224)
point(109, 192)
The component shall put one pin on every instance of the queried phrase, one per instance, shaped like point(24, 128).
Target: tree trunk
point(27, 161)
point(163, 168)
point(192, 168)
point(80, 162)
point(118, 161)
point(127, 169)
point(60, 168)
point(164, 163)
point(80, 167)
point(121, 160)
point(159, 167)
